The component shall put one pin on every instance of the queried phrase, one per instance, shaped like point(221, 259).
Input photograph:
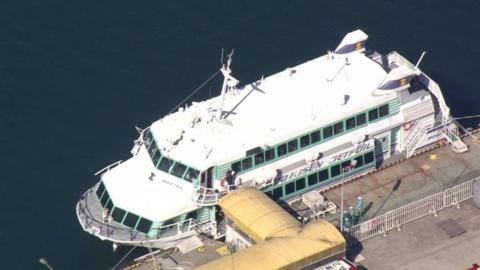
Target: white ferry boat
point(305, 128)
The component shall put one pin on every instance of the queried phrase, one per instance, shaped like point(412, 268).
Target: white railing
point(109, 167)
point(113, 231)
point(414, 138)
point(208, 196)
point(330, 208)
point(394, 219)
point(413, 143)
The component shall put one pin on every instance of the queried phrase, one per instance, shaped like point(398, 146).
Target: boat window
point(165, 164)
point(147, 138)
point(191, 175)
point(373, 115)
point(312, 179)
point(130, 220)
point(368, 158)
point(300, 184)
point(100, 190)
point(179, 169)
point(156, 157)
point(359, 161)
point(259, 158)
point(277, 193)
point(338, 128)
point(118, 214)
point(109, 204)
point(152, 149)
point(361, 119)
point(292, 146)
point(282, 149)
point(289, 188)
point(323, 175)
point(327, 132)
point(247, 163)
point(236, 167)
point(335, 170)
point(105, 199)
point(346, 166)
point(315, 136)
point(383, 110)
point(144, 225)
point(350, 123)
point(304, 141)
point(269, 194)
point(270, 154)
point(192, 215)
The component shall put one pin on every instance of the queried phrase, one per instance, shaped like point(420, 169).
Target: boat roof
point(135, 188)
point(271, 110)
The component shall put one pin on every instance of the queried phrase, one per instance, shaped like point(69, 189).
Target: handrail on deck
point(107, 230)
point(109, 167)
point(210, 196)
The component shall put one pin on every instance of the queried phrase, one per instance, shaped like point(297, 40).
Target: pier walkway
point(417, 177)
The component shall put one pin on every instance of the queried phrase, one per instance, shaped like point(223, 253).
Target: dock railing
point(394, 219)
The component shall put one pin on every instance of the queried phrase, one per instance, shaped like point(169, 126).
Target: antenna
point(420, 59)
point(228, 82)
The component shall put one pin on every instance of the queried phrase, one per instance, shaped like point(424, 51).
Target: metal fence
point(394, 219)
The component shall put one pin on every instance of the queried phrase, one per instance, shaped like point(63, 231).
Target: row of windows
point(121, 216)
point(165, 164)
point(314, 179)
point(309, 139)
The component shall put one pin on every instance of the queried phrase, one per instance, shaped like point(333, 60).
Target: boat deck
point(89, 214)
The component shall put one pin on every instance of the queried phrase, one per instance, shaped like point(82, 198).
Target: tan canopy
point(282, 242)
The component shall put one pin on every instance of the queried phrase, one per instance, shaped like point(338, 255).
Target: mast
point(229, 83)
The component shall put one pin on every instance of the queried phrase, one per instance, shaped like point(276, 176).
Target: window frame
point(338, 128)
point(383, 110)
point(327, 132)
point(304, 141)
point(361, 119)
point(256, 161)
point(350, 123)
point(284, 150)
point(292, 146)
point(289, 188)
point(373, 115)
point(298, 185)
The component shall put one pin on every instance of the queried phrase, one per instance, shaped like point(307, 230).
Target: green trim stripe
point(393, 108)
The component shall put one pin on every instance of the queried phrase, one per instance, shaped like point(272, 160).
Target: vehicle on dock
point(305, 128)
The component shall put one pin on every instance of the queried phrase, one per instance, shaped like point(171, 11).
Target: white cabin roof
point(132, 187)
point(271, 110)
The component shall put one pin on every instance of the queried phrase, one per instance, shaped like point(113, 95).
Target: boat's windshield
point(166, 164)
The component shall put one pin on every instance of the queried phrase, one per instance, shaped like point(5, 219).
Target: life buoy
point(407, 126)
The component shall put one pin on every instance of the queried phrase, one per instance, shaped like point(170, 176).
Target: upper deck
point(272, 109)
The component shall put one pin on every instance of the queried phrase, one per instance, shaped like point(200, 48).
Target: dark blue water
point(75, 78)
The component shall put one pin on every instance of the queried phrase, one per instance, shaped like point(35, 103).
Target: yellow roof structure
point(287, 244)
point(256, 214)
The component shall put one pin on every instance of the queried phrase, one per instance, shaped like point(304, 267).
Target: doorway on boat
point(207, 178)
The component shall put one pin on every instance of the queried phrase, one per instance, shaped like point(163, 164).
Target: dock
point(391, 186)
